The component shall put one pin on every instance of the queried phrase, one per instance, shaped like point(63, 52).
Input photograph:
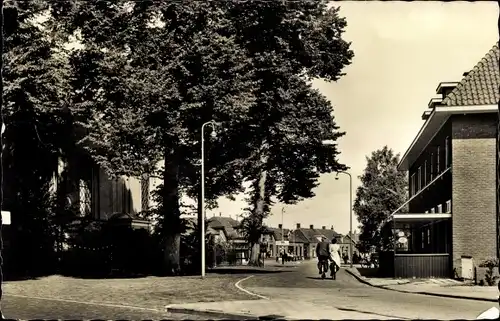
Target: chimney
point(220, 214)
point(311, 227)
point(323, 227)
point(280, 226)
point(298, 225)
point(445, 88)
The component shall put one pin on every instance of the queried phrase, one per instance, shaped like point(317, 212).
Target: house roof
point(308, 235)
point(192, 222)
point(228, 224)
point(121, 216)
point(276, 233)
point(480, 85)
point(477, 92)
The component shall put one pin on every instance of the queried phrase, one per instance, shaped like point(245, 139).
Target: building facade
point(451, 166)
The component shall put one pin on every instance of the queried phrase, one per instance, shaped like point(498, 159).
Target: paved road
point(346, 293)
point(29, 309)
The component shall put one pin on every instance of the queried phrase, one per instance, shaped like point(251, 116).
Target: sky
point(403, 50)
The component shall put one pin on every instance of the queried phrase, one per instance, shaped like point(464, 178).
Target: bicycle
point(334, 268)
point(324, 268)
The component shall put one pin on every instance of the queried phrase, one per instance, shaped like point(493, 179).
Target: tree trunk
point(254, 255)
point(259, 208)
point(171, 212)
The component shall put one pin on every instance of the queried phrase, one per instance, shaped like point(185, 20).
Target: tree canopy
point(145, 75)
point(383, 189)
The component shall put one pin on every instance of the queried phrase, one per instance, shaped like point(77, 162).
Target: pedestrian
point(334, 250)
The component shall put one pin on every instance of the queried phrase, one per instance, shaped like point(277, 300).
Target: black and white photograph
point(249, 160)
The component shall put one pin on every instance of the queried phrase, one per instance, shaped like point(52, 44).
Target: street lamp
point(282, 234)
point(211, 123)
point(330, 143)
point(350, 213)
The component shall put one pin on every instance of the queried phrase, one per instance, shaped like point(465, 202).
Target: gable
point(480, 85)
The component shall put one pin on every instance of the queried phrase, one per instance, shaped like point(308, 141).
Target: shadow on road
point(318, 278)
point(245, 271)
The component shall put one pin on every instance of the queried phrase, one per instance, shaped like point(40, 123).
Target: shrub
point(490, 263)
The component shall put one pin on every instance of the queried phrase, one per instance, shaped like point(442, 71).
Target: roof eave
point(432, 126)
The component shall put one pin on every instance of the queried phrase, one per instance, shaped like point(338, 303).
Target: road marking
point(110, 305)
point(237, 285)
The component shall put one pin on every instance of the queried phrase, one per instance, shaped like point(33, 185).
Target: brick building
point(451, 165)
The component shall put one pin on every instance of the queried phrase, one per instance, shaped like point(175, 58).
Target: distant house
point(304, 240)
point(228, 230)
point(275, 238)
point(345, 242)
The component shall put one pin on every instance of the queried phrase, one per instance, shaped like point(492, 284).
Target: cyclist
point(334, 256)
point(323, 254)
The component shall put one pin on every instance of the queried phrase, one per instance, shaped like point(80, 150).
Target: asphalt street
point(346, 293)
point(47, 309)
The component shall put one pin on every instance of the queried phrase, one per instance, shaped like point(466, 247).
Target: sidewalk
point(436, 287)
point(272, 309)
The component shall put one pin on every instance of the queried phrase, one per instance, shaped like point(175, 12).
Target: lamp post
point(332, 143)
point(282, 233)
point(202, 227)
point(350, 213)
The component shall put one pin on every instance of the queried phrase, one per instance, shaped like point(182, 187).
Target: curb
point(462, 297)
point(221, 314)
point(212, 313)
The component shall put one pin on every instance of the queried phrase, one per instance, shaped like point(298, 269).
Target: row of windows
point(441, 208)
point(432, 167)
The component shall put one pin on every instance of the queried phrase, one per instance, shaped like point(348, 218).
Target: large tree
point(148, 76)
point(38, 129)
point(151, 74)
point(289, 44)
point(383, 189)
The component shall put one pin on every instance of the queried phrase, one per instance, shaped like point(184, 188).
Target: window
point(412, 185)
point(432, 210)
point(438, 164)
point(423, 238)
point(447, 152)
point(145, 193)
point(440, 208)
point(448, 206)
point(425, 173)
point(419, 178)
point(428, 236)
point(125, 198)
point(432, 166)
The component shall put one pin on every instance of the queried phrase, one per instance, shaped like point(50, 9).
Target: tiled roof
point(307, 235)
point(480, 86)
point(276, 233)
point(228, 224)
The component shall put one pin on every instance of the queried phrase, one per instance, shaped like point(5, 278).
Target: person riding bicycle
point(334, 256)
point(323, 254)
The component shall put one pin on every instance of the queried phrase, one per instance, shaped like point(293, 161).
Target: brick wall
point(474, 187)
